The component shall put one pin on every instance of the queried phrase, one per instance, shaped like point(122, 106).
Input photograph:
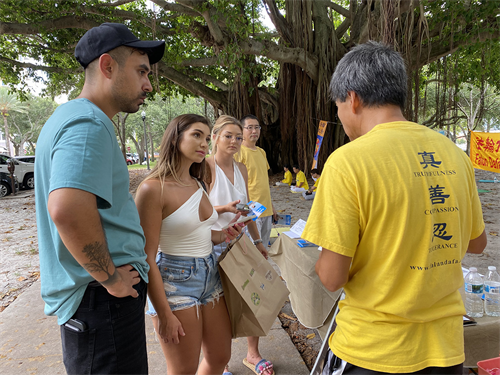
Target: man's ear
point(107, 65)
point(354, 102)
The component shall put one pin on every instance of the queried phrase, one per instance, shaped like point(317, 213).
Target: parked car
point(26, 159)
point(25, 172)
point(133, 157)
point(130, 161)
point(6, 184)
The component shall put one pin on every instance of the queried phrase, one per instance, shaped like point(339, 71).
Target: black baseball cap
point(104, 38)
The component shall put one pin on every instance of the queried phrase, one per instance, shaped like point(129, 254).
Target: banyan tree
point(222, 51)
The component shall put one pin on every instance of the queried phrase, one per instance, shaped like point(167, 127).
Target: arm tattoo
point(100, 260)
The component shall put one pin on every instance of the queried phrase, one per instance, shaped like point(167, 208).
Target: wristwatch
point(256, 242)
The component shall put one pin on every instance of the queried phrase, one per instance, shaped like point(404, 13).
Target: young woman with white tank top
point(228, 187)
point(229, 182)
point(186, 301)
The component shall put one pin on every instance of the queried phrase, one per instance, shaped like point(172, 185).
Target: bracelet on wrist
point(256, 242)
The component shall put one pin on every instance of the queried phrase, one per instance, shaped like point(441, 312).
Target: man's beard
point(125, 102)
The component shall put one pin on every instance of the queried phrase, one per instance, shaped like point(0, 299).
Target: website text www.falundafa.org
point(447, 262)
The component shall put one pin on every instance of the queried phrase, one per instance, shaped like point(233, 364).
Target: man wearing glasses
point(255, 160)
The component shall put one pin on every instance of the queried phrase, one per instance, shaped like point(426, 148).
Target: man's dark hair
point(375, 72)
point(314, 171)
point(287, 166)
point(119, 54)
point(296, 167)
point(122, 53)
point(248, 117)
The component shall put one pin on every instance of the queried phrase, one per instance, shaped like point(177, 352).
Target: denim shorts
point(188, 281)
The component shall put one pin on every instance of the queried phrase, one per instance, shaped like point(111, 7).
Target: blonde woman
point(228, 187)
point(185, 293)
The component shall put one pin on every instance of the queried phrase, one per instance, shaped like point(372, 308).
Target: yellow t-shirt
point(404, 207)
point(288, 178)
point(316, 183)
point(301, 177)
point(258, 179)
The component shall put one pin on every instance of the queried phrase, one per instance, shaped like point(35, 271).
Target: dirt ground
point(19, 264)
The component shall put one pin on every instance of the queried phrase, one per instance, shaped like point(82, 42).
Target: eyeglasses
point(252, 127)
point(237, 138)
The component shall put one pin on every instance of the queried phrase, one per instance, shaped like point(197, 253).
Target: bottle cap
point(473, 269)
point(492, 268)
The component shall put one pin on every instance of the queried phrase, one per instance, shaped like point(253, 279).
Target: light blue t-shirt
point(77, 148)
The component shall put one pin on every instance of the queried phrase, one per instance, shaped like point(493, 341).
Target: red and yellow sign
point(485, 151)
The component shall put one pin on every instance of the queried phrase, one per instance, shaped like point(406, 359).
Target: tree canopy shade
point(221, 51)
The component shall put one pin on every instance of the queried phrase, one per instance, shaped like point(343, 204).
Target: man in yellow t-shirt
point(395, 212)
point(301, 181)
point(255, 160)
point(311, 193)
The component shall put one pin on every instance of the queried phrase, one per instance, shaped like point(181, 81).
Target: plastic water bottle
point(495, 180)
point(492, 292)
point(473, 292)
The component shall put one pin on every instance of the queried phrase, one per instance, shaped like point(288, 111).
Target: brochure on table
point(296, 230)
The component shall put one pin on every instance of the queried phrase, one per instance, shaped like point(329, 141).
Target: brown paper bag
point(253, 291)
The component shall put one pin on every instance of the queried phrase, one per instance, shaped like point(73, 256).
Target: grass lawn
point(139, 166)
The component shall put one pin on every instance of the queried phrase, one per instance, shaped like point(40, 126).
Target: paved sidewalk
point(30, 343)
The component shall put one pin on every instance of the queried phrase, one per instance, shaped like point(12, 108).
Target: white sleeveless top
point(224, 192)
point(183, 234)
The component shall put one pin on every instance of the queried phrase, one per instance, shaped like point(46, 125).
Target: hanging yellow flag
point(485, 151)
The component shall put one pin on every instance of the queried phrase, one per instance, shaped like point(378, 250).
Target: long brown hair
point(170, 157)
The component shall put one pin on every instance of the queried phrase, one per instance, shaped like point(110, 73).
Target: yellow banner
point(485, 151)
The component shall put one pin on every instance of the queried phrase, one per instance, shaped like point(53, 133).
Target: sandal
point(226, 371)
point(260, 367)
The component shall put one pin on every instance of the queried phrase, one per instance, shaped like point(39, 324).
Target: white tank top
point(183, 234)
point(224, 192)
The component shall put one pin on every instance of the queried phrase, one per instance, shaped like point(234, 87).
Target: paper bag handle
point(231, 244)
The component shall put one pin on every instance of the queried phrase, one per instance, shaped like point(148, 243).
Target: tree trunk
point(32, 147)
point(120, 131)
point(304, 102)
point(151, 142)
point(17, 147)
point(6, 127)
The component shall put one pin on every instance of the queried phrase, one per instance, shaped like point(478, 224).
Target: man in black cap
point(92, 259)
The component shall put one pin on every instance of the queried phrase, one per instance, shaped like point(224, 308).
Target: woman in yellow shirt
point(287, 181)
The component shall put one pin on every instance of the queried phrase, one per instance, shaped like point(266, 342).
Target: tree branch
point(40, 67)
point(337, 8)
point(343, 27)
point(279, 21)
point(190, 84)
point(210, 15)
point(176, 8)
point(66, 22)
point(117, 3)
point(208, 78)
point(438, 49)
point(125, 14)
point(297, 56)
point(204, 61)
